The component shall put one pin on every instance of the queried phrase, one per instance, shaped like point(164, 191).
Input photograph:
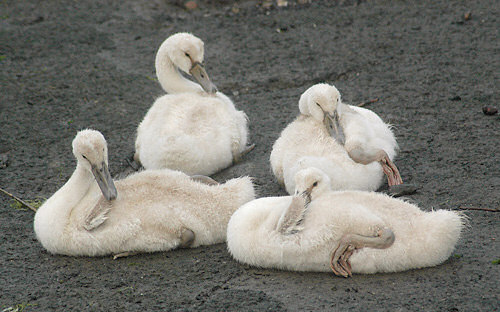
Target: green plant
point(18, 307)
point(36, 203)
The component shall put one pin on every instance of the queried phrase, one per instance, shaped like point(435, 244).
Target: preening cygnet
point(149, 211)
point(318, 229)
point(193, 128)
point(352, 145)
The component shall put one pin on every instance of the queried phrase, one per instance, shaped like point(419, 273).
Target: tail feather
point(242, 190)
point(441, 230)
point(427, 240)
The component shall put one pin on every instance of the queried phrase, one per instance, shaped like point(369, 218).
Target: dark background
point(69, 65)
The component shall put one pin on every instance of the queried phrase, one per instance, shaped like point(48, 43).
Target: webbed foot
point(391, 171)
point(339, 261)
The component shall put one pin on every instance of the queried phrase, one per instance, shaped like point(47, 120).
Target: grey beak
point(306, 195)
point(198, 72)
point(105, 181)
point(333, 127)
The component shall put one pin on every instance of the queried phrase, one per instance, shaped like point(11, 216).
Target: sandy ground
point(69, 65)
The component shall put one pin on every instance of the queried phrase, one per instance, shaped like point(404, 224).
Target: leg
point(187, 238)
point(204, 179)
point(339, 261)
point(391, 171)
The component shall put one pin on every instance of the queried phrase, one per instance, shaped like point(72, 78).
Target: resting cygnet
point(149, 211)
point(352, 145)
point(193, 128)
point(318, 229)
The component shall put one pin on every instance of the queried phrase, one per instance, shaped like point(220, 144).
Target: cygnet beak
point(198, 72)
point(305, 195)
point(105, 181)
point(332, 124)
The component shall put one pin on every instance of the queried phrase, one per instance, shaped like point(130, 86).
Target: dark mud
point(69, 65)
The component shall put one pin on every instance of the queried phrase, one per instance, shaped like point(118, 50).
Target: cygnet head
point(185, 52)
point(322, 102)
point(310, 183)
point(91, 152)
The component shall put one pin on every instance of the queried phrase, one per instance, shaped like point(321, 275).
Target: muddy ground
point(69, 65)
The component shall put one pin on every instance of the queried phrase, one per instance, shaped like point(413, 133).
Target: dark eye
point(318, 104)
point(315, 184)
point(85, 157)
point(187, 54)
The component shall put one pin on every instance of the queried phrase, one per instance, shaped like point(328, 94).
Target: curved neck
point(171, 79)
point(53, 216)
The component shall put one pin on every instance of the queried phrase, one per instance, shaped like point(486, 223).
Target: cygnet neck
point(171, 79)
point(51, 217)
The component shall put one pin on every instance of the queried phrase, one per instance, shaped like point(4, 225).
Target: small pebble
point(490, 110)
point(282, 3)
point(4, 160)
point(267, 4)
point(191, 5)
